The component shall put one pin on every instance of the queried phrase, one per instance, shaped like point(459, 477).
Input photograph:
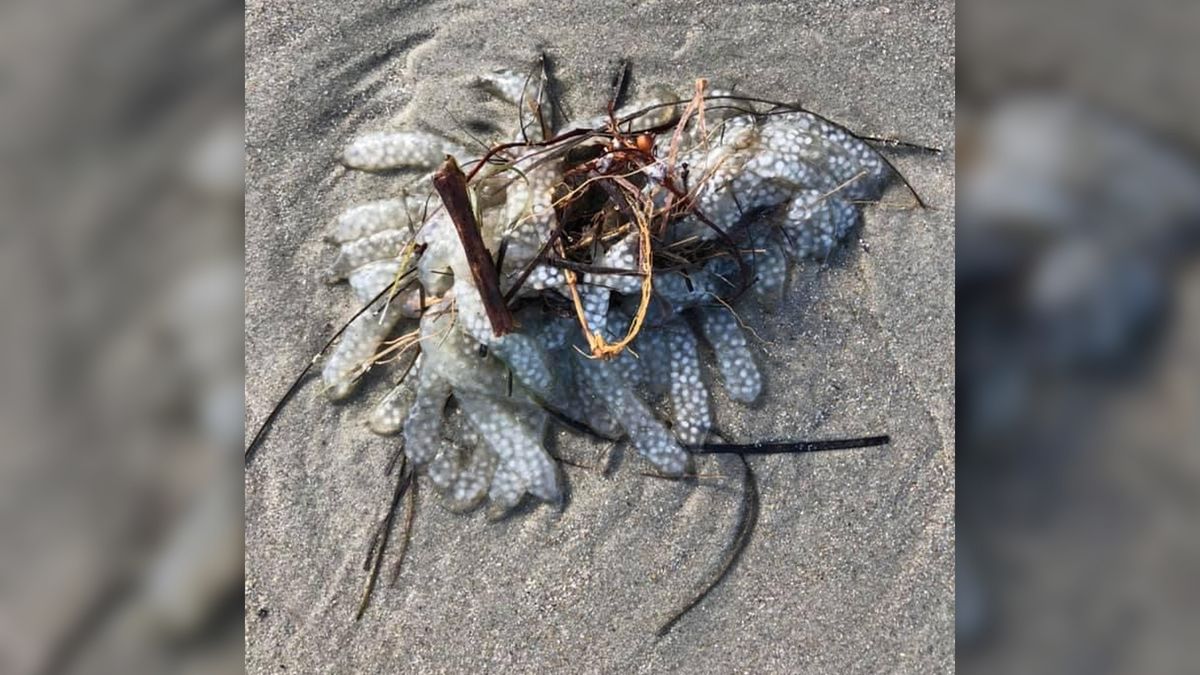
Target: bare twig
point(451, 185)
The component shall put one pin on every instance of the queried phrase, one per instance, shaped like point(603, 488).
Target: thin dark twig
point(792, 107)
point(743, 267)
point(897, 144)
point(577, 465)
point(577, 425)
point(501, 253)
point(521, 107)
point(904, 180)
point(544, 124)
point(497, 149)
point(745, 529)
point(620, 84)
point(463, 128)
point(380, 541)
point(760, 448)
point(681, 477)
point(591, 269)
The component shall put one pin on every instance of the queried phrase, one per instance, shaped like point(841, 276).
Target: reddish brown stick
point(451, 185)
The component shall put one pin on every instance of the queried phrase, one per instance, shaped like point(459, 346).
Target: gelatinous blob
point(760, 192)
point(738, 371)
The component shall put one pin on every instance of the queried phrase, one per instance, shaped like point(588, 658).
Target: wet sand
point(851, 567)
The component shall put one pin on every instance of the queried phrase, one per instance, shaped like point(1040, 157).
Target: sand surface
point(851, 567)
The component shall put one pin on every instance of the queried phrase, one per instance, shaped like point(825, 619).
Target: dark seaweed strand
point(576, 425)
point(378, 532)
point(544, 86)
point(897, 144)
point(760, 448)
point(555, 234)
point(380, 541)
point(501, 253)
point(497, 149)
point(252, 448)
point(892, 143)
point(788, 447)
point(745, 529)
point(744, 276)
point(546, 124)
point(584, 268)
point(784, 108)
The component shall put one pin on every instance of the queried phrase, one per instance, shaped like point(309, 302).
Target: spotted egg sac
point(715, 201)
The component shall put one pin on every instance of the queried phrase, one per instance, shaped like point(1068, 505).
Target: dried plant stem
point(451, 185)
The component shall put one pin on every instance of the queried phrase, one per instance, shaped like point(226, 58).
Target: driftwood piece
point(451, 186)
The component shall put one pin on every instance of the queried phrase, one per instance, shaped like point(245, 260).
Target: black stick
point(788, 447)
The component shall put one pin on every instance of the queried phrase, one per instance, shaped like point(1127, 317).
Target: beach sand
point(851, 568)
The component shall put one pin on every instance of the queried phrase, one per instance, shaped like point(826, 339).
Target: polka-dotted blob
point(356, 348)
point(423, 428)
point(646, 433)
point(777, 188)
point(508, 433)
point(387, 150)
point(387, 214)
point(738, 370)
point(689, 396)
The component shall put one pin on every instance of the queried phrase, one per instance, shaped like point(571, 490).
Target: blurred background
point(1078, 326)
point(120, 351)
point(120, 354)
